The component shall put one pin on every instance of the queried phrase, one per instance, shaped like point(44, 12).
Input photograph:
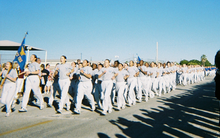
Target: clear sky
point(100, 29)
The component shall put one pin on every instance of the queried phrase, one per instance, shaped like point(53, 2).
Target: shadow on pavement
point(194, 113)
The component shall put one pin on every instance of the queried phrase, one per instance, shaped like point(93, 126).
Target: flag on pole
point(139, 59)
point(20, 56)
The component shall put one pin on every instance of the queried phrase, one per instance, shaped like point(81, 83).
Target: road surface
point(190, 111)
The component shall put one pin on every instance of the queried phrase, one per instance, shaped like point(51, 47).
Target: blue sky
point(100, 29)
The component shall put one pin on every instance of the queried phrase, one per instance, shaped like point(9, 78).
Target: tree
point(194, 62)
point(184, 62)
point(203, 59)
point(207, 63)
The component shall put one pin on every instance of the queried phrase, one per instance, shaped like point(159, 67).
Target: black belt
point(32, 75)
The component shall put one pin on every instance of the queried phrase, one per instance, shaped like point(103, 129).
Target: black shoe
point(12, 109)
point(49, 105)
point(58, 111)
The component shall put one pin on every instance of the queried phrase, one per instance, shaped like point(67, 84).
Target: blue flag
point(139, 59)
point(20, 56)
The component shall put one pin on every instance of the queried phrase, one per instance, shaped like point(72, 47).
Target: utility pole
point(157, 54)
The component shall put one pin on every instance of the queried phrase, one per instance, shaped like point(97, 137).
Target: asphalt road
point(190, 111)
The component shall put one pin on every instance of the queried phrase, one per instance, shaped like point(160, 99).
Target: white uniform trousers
point(120, 87)
point(84, 88)
point(64, 87)
point(170, 77)
point(131, 94)
point(149, 86)
point(173, 80)
point(166, 83)
point(196, 77)
point(142, 86)
point(212, 73)
point(32, 82)
point(154, 85)
point(193, 77)
point(113, 92)
point(126, 92)
point(8, 94)
point(106, 92)
point(185, 78)
point(160, 85)
point(55, 87)
point(163, 82)
point(180, 78)
point(19, 86)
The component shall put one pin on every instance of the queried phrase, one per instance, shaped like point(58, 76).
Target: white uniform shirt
point(159, 70)
point(132, 71)
point(63, 70)
point(13, 73)
point(148, 69)
point(144, 68)
point(97, 75)
point(153, 70)
point(109, 73)
point(87, 70)
point(121, 75)
point(33, 67)
point(184, 69)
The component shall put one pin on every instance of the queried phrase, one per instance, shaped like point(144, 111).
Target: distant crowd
point(106, 86)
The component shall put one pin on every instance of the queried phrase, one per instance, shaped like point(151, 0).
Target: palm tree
point(203, 59)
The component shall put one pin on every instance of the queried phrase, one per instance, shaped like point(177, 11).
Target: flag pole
point(27, 57)
point(26, 33)
point(157, 54)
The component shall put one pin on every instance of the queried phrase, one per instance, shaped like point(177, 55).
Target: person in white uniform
point(121, 76)
point(132, 81)
point(173, 75)
point(84, 87)
point(107, 84)
point(9, 86)
point(125, 67)
point(165, 73)
point(32, 82)
point(149, 81)
point(184, 75)
point(64, 70)
point(115, 66)
point(159, 79)
point(154, 84)
point(142, 82)
point(19, 83)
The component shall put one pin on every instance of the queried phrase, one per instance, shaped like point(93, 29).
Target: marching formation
point(105, 86)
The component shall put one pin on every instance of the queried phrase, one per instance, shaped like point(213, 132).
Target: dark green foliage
point(184, 62)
